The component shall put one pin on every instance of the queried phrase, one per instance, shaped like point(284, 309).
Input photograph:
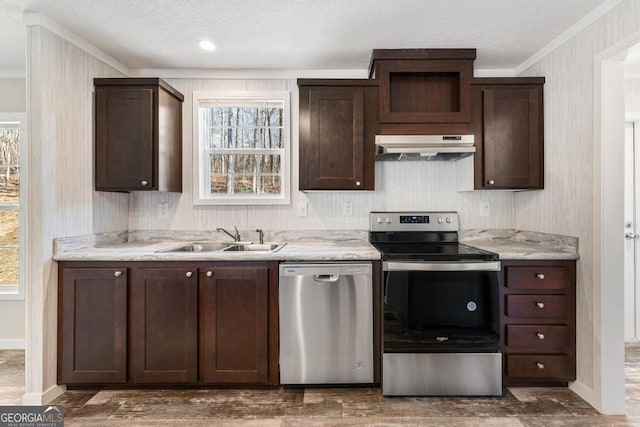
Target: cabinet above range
point(423, 91)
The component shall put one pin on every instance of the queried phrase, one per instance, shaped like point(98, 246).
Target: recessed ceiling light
point(206, 45)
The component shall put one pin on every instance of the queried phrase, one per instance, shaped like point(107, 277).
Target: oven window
point(441, 311)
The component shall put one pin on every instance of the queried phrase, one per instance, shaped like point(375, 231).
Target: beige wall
point(566, 205)
point(59, 187)
point(14, 95)
point(12, 318)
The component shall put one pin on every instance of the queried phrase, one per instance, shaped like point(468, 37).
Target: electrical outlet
point(163, 209)
point(485, 209)
point(347, 209)
point(302, 209)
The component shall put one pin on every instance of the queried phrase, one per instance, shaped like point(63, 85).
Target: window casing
point(12, 137)
point(241, 147)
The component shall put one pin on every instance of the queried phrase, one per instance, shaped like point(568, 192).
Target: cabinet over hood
point(424, 147)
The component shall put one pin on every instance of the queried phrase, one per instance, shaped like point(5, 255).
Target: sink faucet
point(261, 234)
point(235, 237)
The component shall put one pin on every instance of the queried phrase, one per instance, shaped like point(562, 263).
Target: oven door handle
point(441, 266)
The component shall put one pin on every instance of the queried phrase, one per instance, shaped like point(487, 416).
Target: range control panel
point(413, 221)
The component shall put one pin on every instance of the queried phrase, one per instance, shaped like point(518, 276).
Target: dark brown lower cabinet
point(234, 321)
point(92, 322)
point(539, 322)
point(164, 325)
point(168, 323)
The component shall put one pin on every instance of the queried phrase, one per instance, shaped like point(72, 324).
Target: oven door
point(441, 328)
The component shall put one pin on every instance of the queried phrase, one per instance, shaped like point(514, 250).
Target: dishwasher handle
point(326, 278)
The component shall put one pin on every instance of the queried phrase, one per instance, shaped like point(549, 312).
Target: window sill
point(11, 292)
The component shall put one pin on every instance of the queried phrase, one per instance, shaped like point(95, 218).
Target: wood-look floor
point(322, 407)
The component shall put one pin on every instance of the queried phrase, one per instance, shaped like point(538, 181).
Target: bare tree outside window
point(9, 202)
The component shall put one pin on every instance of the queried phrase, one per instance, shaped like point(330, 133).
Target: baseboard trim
point(12, 344)
point(37, 399)
point(586, 393)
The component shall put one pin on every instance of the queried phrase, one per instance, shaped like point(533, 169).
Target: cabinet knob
point(145, 182)
point(189, 273)
point(540, 304)
point(491, 182)
point(117, 273)
point(209, 273)
point(540, 335)
point(358, 183)
point(539, 365)
point(540, 276)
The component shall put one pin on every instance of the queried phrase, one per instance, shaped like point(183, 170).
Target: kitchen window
point(241, 147)
point(10, 251)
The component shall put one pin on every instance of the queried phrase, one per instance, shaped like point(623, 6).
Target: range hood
point(424, 147)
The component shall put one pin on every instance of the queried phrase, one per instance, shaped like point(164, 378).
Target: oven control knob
point(388, 220)
point(379, 220)
point(449, 220)
point(440, 220)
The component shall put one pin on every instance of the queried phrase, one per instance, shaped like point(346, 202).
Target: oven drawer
point(549, 366)
point(537, 306)
point(537, 277)
point(537, 336)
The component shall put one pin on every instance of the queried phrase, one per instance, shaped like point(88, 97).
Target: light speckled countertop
point(301, 246)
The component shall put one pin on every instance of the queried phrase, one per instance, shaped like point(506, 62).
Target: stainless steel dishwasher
point(326, 323)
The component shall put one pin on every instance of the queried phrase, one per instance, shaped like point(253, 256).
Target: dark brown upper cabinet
point(138, 125)
point(508, 122)
point(337, 134)
point(423, 90)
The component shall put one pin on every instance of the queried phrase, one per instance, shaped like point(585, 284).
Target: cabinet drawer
point(534, 277)
point(554, 366)
point(537, 306)
point(537, 336)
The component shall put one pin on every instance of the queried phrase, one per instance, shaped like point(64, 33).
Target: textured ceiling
point(303, 34)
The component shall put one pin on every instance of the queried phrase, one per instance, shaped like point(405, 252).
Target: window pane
point(8, 228)
point(9, 163)
point(219, 184)
point(8, 266)
point(271, 184)
point(269, 163)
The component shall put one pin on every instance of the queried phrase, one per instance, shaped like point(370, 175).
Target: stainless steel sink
point(255, 247)
point(224, 247)
point(198, 247)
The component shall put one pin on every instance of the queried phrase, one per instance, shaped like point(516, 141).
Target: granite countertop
point(148, 246)
point(522, 245)
point(300, 246)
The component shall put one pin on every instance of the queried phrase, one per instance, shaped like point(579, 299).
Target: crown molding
point(201, 73)
point(39, 19)
point(571, 32)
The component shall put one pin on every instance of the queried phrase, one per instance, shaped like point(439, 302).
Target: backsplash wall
point(409, 185)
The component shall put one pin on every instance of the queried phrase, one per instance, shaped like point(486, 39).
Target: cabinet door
point(92, 323)
point(234, 325)
point(336, 138)
point(511, 136)
point(125, 132)
point(164, 325)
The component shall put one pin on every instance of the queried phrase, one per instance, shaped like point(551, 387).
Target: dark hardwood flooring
point(323, 407)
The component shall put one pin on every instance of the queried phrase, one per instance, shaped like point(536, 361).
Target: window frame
point(201, 163)
point(16, 292)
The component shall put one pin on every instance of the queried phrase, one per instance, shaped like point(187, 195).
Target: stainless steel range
point(441, 307)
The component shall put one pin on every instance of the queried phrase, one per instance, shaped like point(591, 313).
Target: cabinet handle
point(539, 365)
point(540, 304)
point(540, 335)
point(491, 182)
point(209, 273)
point(189, 273)
point(358, 183)
point(118, 273)
point(540, 276)
point(145, 182)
